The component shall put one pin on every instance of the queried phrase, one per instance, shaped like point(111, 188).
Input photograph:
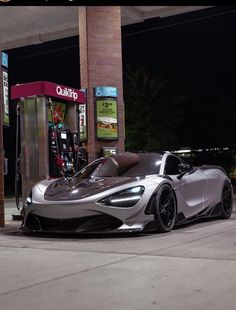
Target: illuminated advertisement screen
point(58, 111)
point(106, 119)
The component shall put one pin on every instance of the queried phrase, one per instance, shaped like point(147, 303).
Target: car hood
point(73, 189)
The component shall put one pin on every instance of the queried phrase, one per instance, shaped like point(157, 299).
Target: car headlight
point(28, 200)
point(125, 198)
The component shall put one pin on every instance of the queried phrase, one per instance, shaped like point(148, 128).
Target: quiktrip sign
point(66, 92)
point(48, 89)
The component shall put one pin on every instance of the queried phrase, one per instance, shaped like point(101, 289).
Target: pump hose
point(17, 155)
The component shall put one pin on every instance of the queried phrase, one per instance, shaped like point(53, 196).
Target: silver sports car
point(129, 192)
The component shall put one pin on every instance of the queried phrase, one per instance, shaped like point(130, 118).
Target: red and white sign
point(47, 89)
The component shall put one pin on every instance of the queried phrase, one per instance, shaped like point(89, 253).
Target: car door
point(214, 185)
point(189, 189)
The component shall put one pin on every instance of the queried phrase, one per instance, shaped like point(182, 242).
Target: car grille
point(86, 224)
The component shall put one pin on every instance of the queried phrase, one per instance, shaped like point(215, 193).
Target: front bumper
point(95, 223)
point(83, 218)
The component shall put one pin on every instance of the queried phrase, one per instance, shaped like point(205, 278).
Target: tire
point(165, 209)
point(226, 201)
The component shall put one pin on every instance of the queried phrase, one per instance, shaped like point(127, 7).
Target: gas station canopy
point(26, 25)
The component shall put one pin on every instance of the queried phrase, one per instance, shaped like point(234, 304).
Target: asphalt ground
point(192, 267)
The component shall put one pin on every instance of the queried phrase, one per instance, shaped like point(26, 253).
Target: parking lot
point(193, 267)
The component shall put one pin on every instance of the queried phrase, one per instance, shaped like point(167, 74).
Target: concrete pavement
point(10, 209)
point(193, 267)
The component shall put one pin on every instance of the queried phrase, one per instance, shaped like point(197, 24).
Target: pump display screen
point(58, 112)
point(63, 135)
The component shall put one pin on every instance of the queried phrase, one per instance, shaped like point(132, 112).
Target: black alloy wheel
point(226, 201)
point(165, 209)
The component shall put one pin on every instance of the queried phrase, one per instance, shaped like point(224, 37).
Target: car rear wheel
point(226, 201)
point(165, 209)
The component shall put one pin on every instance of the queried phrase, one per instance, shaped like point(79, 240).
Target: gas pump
point(62, 155)
point(47, 122)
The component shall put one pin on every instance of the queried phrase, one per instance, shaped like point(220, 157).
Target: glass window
point(171, 166)
point(127, 164)
point(149, 163)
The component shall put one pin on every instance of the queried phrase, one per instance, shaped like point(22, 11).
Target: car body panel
point(214, 185)
point(191, 187)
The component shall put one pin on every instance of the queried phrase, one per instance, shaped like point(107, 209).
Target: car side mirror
point(183, 169)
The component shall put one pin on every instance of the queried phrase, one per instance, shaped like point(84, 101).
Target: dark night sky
point(195, 52)
point(55, 61)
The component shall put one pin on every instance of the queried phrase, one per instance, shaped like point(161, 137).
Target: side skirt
point(208, 212)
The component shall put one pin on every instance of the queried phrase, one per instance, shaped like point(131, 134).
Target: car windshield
point(127, 164)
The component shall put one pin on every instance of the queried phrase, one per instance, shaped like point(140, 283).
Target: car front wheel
point(165, 209)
